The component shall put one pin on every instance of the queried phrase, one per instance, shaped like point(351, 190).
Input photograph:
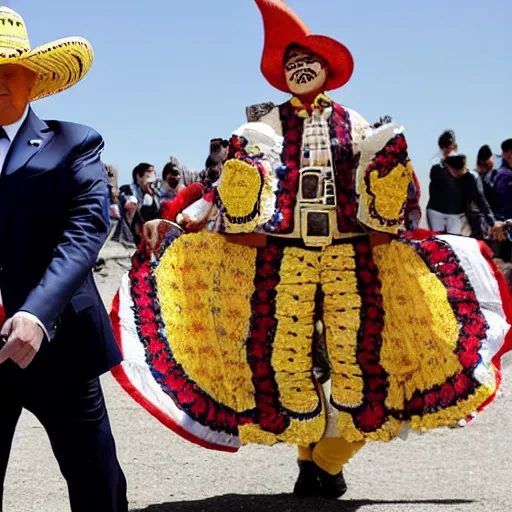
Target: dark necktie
point(3, 135)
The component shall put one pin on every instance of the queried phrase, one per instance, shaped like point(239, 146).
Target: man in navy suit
point(54, 219)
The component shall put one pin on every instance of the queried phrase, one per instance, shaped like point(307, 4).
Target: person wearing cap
point(57, 340)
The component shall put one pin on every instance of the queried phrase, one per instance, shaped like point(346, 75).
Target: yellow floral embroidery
point(212, 280)
point(390, 191)
point(239, 188)
point(244, 193)
point(302, 433)
point(419, 338)
point(292, 348)
point(342, 305)
point(293, 343)
point(254, 434)
point(421, 332)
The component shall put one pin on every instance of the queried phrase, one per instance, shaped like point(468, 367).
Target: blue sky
point(170, 75)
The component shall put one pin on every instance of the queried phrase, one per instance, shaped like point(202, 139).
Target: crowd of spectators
point(473, 202)
point(150, 197)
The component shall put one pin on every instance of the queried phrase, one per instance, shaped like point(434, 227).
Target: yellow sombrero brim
point(59, 65)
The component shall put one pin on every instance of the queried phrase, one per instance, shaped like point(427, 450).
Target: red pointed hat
point(283, 28)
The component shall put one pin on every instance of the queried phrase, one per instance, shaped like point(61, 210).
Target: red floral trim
point(393, 154)
point(169, 374)
point(372, 413)
point(260, 340)
point(288, 173)
point(344, 164)
point(442, 261)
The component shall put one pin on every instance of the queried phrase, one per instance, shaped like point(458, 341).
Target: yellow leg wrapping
point(305, 453)
point(332, 453)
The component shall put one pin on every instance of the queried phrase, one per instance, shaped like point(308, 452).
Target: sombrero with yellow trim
point(284, 28)
point(58, 65)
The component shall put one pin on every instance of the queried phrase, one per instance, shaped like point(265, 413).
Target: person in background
point(187, 195)
point(503, 201)
point(115, 212)
point(471, 196)
point(485, 175)
point(145, 192)
point(128, 206)
point(172, 182)
point(487, 166)
point(445, 209)
point(187, 174)
point(503, 183)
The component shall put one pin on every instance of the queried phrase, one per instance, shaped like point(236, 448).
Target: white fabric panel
point(487, 291)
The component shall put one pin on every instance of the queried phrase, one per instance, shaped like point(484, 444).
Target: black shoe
point(307, 484)
point(331, 486)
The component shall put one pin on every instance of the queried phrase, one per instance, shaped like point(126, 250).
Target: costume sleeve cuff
point(34, 318)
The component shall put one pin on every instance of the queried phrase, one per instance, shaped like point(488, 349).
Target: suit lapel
point(32, 136)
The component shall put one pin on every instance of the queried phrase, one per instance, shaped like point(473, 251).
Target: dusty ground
point(464, 470)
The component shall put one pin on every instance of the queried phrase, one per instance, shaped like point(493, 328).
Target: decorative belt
point(315, 215)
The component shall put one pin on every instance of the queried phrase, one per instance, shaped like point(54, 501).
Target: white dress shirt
point(11, 131)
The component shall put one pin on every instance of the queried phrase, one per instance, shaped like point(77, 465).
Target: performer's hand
point(151, 233)
point(24, 338)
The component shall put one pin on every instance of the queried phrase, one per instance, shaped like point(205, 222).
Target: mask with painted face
point(305, 72)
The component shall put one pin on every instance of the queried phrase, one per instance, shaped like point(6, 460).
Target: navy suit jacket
point(53, 222)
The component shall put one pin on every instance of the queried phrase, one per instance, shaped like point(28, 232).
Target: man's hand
point(24, 338)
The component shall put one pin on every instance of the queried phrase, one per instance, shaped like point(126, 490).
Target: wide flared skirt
point(219, 339)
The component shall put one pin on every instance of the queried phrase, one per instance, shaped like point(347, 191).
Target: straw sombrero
point(283, 28)
point(58, 65)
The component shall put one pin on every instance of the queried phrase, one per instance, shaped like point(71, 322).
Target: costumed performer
point(338, 326)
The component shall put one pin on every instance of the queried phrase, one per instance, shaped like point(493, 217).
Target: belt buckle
point(316, 227)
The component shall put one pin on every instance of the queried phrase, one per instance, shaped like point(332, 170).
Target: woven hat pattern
point(58, 65)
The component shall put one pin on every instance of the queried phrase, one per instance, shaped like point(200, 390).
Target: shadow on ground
point(284, 503)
